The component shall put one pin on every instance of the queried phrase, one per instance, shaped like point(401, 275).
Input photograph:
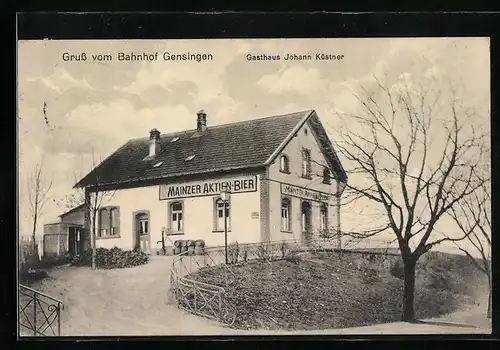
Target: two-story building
point(284, 178)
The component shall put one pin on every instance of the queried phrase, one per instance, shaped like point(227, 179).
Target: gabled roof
point(240, 145)
point(79, 207)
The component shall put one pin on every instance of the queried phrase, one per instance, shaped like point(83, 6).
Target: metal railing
point(196, 297)
point(39, 314)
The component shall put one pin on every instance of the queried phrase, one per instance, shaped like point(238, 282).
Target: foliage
point(261, 252)
point(114, 258)
point(284, 249)
point(51, 261)
point(233, 253)
point(294, 258)
point(30, 275)
point(370, 276)
point(326, 234)
point(32, 268)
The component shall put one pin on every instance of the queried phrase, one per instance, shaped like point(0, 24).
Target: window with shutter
point(103, 222)
point(115, 221)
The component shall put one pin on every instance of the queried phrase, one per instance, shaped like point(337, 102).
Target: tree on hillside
point(411, 151)
point(38, 187)
point(473, 217)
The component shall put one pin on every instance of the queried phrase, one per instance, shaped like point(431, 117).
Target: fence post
point(58, 319)
point(194, 299)
point(220, 307)
point(59, 245)
point(34, 313)
point(182, 266)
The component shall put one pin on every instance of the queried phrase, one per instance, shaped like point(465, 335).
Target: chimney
point(201, 122)
point(154, 142)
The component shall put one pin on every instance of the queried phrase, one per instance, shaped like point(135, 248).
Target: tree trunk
point(87, 222)
point(408, 312)
point(34, 233)
point(93, 243)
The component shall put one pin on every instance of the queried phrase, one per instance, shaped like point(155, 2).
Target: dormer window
point(191, 157)
point(284, 164)
point(175, 139)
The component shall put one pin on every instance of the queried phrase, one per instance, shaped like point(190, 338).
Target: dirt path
point(120, 302)
point(133, 302)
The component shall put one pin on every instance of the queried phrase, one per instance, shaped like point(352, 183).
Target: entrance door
point(142, 236)
point(306, 223)
point(74, 240)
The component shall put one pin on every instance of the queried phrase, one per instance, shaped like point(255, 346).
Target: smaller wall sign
point(305, 193)
point(255, 215)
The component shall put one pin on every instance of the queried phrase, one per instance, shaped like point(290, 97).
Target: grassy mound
point(329, 291)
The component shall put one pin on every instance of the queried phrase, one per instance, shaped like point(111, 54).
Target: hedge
point(114, 258)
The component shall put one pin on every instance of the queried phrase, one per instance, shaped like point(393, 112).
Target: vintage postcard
point(263, 186)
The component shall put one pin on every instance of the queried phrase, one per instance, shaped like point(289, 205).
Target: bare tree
point(38, 187)
point(411, 151)
point(92, 197)
point(473, 217)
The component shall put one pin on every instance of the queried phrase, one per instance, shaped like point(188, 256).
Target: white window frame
point(227, 206)
point(112, 227)
point(323, 217)
point(306, 163)
point(284, 164)
point(179, 229)
point(304, 223)
point(143, 224)
point(286, 223)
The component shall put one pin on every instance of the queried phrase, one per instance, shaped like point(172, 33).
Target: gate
point(196, 297)
point(39, 314)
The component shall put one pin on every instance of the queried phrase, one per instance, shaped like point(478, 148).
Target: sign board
point(235, 185)
point(255, 215)
point(305, 193)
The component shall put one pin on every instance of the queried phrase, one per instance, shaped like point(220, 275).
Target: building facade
point(65, 236)
point(284, 180)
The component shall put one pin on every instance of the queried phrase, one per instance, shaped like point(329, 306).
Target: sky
point(95, 107)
